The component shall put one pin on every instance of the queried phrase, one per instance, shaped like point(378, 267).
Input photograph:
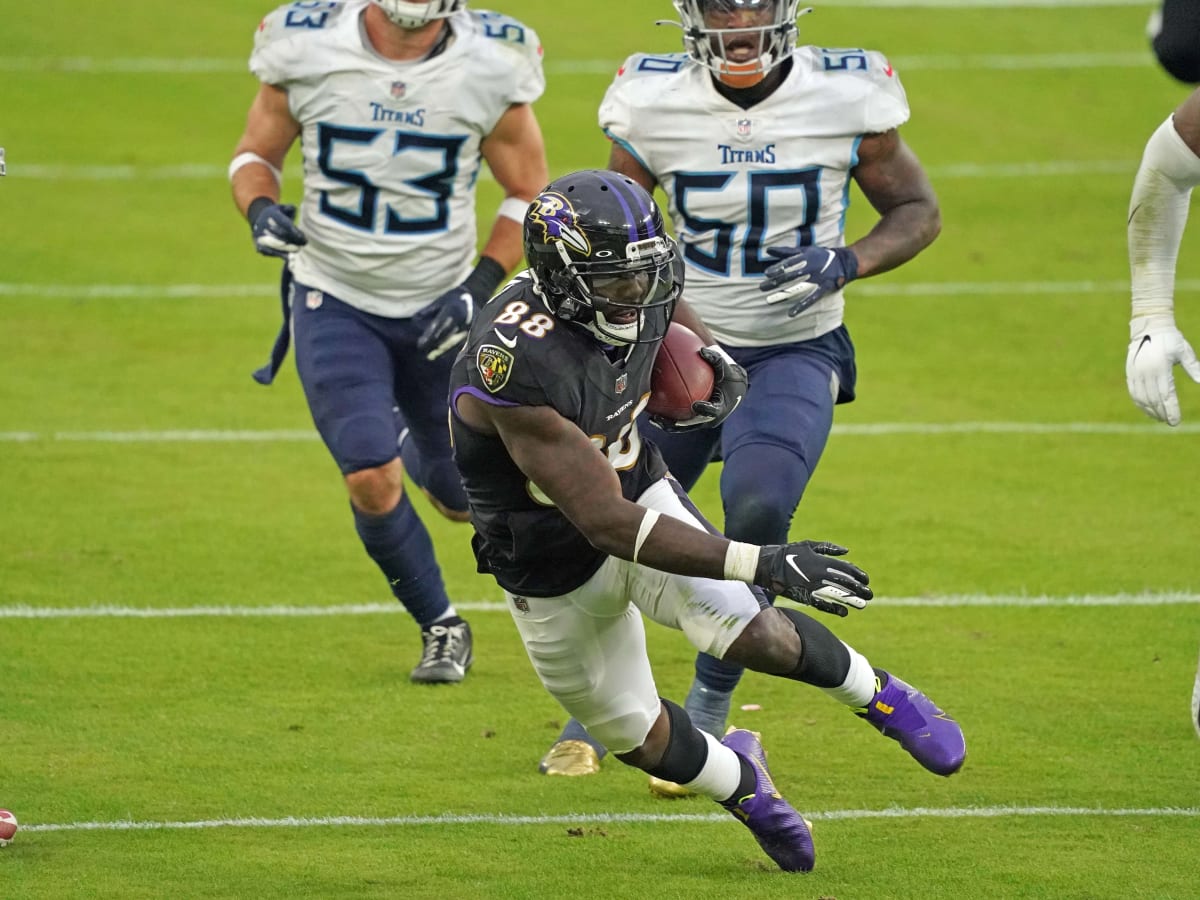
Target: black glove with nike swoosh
point(730, 383)
point(806, 572)
point(444, 323)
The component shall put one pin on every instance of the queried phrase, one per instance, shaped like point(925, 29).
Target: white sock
point(721, 774)
point(859, 686)
point(450, 613)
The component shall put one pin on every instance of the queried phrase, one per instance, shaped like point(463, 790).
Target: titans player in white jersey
point(396, 104)
point(755, 142)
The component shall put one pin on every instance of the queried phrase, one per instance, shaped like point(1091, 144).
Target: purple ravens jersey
point(519, 354)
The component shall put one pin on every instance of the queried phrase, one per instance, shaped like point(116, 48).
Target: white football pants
point(588, 647)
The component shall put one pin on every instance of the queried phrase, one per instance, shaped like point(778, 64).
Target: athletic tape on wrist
point(513, 208)
point(741, 561)
point(244, 159)
point(1158, 212)
point(648, 521)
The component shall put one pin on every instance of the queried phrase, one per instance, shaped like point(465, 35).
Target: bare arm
point(891, 178)
point(516, 154)
point(567, 467)
point(686, 316)
point(621, 160)
point(1187, 121)
point(270, 133)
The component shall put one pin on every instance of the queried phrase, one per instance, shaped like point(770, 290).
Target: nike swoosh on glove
point(445, 322)
point(804, 275)
point(275, 232)
point(1149, 369)
point(808, 573)
point(730, 383)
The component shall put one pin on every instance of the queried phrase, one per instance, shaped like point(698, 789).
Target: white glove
point(1153, 353)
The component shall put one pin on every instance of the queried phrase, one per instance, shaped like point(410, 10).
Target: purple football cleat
point(904, 714)
point(779, 829)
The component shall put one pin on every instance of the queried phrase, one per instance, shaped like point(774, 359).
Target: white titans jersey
point(739, 181)
point(391, 149)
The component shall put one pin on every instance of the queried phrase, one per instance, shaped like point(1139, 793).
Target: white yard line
point(199, 65)
point(839, 815)
point(112, 611)
point(865, 429)
point(865, 288)
point(217, 171)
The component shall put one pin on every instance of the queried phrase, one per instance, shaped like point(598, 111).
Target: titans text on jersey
point(787, 159)
point(391, 149)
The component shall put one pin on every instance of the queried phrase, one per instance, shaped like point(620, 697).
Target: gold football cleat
point(570, 758)
point(668, 790)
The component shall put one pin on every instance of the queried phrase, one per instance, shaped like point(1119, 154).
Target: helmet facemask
point(600, 256)
point(740, 41)
point(630, 300)
point(415, 15)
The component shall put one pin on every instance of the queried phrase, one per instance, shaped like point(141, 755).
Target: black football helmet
point(600, 255)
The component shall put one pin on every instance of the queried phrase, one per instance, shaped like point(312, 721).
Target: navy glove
point(806, 274)
point(274, 228)
point(446, 321)
point(730, 384)
point(806, 573)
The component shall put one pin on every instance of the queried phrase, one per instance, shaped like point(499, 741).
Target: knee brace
point(824, 659)
point(687, 750)
point(624, 733)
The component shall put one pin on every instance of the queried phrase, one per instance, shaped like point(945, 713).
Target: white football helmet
point(740, 41)
point(415, 13)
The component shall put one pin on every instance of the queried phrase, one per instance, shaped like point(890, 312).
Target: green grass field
point(173, 725)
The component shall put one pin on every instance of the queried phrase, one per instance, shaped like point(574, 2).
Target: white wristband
point(648, 521)
point(513, 208)
point(741, 561)
point(245, 159)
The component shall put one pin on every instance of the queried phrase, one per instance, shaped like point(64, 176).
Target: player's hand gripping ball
point(8, 827)
point(680, 377)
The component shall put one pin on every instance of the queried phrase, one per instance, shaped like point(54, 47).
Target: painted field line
point(865, 429)
point(149, 65)
point(217, 172)
point(104, 611)
point(836, 815)
point(865, 288)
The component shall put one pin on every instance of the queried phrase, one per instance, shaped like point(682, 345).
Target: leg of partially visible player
point(1196, 701)
point(346, 371)
point(771, 447)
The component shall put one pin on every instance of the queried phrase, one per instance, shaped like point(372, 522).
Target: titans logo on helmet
point(559, 222)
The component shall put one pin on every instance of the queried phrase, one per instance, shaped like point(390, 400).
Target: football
point(680, 375)
point(8, 827)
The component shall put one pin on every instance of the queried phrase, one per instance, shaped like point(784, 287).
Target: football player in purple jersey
point(755, 142)
point(580, 523)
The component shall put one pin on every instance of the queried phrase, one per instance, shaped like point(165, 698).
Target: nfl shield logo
point(313, 299)
point(399, 88)
point(521, 604)
point(743, 127)
point(622, 382)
